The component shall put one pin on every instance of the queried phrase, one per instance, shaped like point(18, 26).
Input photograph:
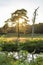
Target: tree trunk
point(32, 30)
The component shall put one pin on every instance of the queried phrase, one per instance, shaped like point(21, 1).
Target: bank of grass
point(9, 43)
point(22, 38)
point(25, 43)
point(28, 45)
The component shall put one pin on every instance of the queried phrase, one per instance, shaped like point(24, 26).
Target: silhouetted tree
point(17, 15)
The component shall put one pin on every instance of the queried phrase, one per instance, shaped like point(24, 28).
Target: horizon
point(9, 6)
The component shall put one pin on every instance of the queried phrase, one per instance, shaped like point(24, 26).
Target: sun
point(21, 20)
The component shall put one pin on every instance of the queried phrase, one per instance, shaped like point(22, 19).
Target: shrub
point(29, 46)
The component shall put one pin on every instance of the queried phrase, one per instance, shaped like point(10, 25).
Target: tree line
point(38, 29)
point(23, 27)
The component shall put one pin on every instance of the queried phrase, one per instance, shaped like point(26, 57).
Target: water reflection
point(29, 56)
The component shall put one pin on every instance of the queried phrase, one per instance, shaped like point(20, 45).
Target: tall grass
point(28, 45)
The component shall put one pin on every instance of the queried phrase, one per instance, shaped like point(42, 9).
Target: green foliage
point(8, 60)
point(5, 60)
point(21, 63)
point(29, 46)
point(39, 60)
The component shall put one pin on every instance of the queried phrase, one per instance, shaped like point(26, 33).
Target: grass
point(24, 44)
point(10, 38)
point(8, 60)
point(23, 37)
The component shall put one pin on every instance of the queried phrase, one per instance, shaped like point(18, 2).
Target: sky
point(9, 6)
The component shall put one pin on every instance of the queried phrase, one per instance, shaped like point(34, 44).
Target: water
point(29, 56)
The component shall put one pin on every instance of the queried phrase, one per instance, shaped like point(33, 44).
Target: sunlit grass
point(22, 39)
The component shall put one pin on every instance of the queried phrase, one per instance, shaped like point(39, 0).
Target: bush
point(29, 46)
point(5, 60)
